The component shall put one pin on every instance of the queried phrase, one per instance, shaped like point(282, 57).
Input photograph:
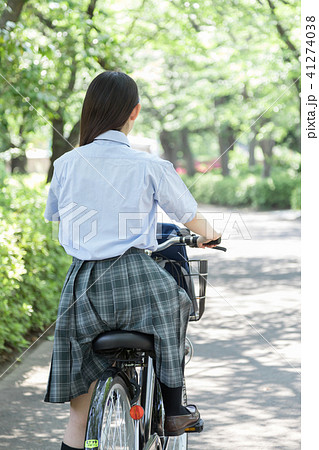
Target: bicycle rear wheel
point(110, 426)
point(178, 442)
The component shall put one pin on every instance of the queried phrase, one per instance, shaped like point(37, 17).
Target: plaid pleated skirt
point(130, 292)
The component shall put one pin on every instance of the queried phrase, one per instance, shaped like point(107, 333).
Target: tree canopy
point(210, 73)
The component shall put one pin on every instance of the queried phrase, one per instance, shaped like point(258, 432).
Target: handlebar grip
point(191, 241)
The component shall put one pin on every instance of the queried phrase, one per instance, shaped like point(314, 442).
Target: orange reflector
point(136, 412)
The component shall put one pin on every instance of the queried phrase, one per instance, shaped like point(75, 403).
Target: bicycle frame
point(142, 388)
point(148, 395)
point(151, 401)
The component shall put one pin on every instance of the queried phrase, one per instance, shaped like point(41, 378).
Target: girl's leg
point(172, 398)
point(79, 408)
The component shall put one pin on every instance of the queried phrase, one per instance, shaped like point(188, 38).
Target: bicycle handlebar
point(190, 240)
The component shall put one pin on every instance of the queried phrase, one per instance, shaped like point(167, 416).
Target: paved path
point(245, 373)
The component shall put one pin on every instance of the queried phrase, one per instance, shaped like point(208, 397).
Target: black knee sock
point(67, 447)
point(172, 398)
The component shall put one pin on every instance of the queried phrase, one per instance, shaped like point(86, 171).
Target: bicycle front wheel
point(110, 426)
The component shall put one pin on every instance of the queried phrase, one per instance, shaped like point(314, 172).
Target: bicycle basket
point(193, 280)
point(198, 278)
point(190, 274)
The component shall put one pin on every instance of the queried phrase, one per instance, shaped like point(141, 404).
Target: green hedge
point(32, 264)
point(280, 191)
point(295, 199)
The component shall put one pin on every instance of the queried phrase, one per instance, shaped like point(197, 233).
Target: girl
point(105, 195)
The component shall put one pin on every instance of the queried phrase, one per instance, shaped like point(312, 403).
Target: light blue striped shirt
point(105, 195)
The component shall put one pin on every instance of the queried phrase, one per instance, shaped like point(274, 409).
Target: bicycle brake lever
point(223, 249)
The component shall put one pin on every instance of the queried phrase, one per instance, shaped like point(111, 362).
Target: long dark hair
point(108, 103)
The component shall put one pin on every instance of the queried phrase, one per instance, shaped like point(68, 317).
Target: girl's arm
point(201, 226)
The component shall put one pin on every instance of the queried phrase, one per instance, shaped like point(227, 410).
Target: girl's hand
point(201, 241)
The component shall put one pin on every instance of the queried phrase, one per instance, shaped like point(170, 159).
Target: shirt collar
point(113, 135)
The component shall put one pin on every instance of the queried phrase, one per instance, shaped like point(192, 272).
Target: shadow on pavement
point(255, 275)
point(248, 389)
point(26, 422)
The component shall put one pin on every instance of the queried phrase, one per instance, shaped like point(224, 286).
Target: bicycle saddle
point(123, 339)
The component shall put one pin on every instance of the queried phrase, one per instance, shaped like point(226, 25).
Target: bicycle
point(126, 411)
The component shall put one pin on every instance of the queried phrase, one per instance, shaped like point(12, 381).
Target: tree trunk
point(190, 165)
point(59, 145)
point(267, 146)
point(11, 12)
point(168, 147)
point(224, 157)
point(226, 141)
point(19, 164)
point(225, 137)
point(252, 146)
point(74, 136)
point(5, 138)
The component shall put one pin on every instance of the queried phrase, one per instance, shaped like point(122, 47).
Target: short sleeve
point(174, 197)
point(52, 208)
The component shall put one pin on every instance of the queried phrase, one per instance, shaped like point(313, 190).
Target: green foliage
point(274, 192)
point(284, 159)
point(280, 191)
point(2, 173)
point(234, 72)
point(201, 186)
point(295, 199)
point(231, 191)
point(197, 68)
point(32, 264)
point(215, 189)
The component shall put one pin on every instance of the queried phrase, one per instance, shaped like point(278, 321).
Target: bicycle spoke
point(117, 431)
